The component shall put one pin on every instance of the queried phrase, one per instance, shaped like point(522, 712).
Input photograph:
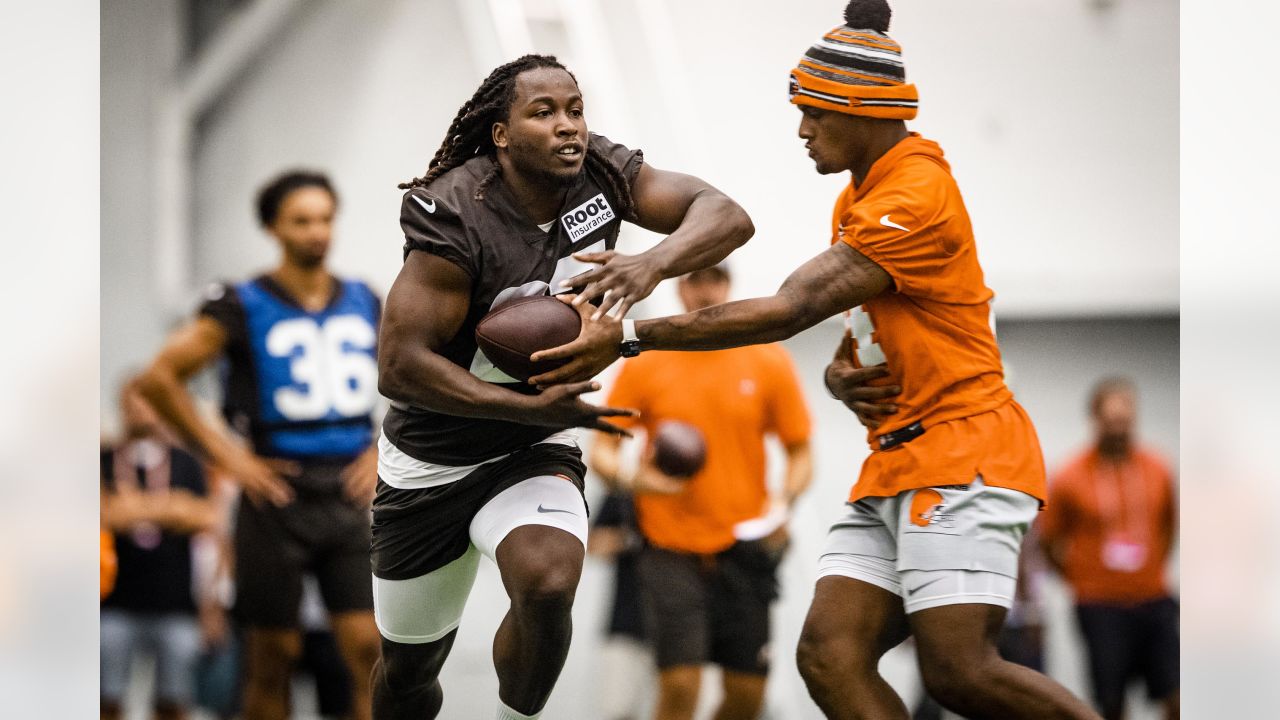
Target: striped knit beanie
point(856, 68)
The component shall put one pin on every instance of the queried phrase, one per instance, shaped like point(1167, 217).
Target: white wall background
point(1059, 120)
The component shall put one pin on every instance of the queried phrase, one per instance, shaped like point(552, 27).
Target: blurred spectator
point(713, 541)
point(297, 346)
point(218, 668)
point(626, 667)
point(1109, 529)
point(106, 553)
point(155, 499)
point(321, 658)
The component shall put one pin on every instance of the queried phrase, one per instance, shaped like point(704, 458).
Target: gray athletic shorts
point(934, 546)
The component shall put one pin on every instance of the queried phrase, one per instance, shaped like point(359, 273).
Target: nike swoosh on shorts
point(924, 585)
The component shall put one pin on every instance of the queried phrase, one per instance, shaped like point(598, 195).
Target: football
point(514, 330)
point(679, 449)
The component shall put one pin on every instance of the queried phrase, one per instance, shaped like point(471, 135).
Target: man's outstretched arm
point(838, 279)
point(702, 224)
point(164, 385)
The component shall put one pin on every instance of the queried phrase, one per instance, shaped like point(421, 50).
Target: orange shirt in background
point(933, 329)
point(107, 566)
point(1116, 522)
point(735, 397)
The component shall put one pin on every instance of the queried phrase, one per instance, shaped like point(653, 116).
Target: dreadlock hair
point(471, 132)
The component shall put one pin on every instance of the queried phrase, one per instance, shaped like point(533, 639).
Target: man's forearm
point(177, 512)
point(187, 514)
point(606, 460)
point(835, 280)
point(742, 322)
point(119, 515)
point(1053, 554)
point(168, 394)
point(799, 473)
point(427, 380)
point(713, 227)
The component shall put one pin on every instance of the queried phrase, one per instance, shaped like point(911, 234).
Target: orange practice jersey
point(933, 329)
point(1098, 509)
point(735, 397)
point(106, 564)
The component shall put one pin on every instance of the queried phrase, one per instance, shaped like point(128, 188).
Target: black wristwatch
point(630, 345)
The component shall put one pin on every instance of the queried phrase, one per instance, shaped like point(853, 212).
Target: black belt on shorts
point(902, 435)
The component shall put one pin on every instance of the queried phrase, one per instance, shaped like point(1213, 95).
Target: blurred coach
point(1109, 529)
point(706, 589)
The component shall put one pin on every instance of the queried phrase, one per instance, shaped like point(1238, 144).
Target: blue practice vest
point(316, 372)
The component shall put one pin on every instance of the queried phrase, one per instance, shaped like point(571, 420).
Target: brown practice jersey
point(506, 256)
point(933, 330)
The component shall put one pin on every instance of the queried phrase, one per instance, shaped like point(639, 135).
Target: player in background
point(156, 502)
point(108, 563)
point(473, 462)
point(1109, 530)
point(928, 545)
point(300, 386)
point(712, 542)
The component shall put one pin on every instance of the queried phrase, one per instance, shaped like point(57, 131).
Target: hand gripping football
point(513, 331)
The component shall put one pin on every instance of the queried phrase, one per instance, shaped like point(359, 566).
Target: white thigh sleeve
point(543, 500)
point(924, 589)
point(428, 607)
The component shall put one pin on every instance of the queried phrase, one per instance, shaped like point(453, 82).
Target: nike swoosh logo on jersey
point(547, 510)
point(431, 206)
point(885, 221)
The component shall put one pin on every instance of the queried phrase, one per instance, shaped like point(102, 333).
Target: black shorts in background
point(320, 533)
point(1130, 642)
point(416, 531)
point(710, 608)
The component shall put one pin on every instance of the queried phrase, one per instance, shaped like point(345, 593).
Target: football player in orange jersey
point(928, 544)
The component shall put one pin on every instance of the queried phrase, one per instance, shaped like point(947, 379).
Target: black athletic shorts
point(1130, 642)
point(710, 608)
point(320, 533)
point(420, 530)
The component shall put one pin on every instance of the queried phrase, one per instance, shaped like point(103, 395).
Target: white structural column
point(596, 55)
point(665, 57)
point(510, 23)
point(191, 89)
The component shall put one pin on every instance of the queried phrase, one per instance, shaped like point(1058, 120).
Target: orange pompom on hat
point(856, 68)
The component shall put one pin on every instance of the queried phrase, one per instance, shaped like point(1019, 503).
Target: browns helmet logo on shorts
point(926, 507)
